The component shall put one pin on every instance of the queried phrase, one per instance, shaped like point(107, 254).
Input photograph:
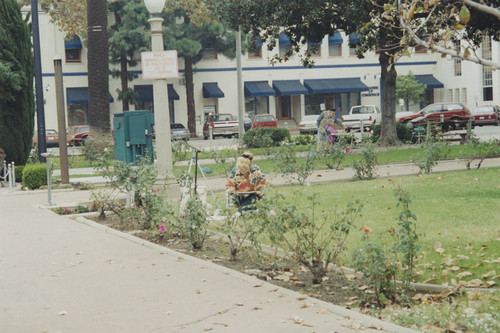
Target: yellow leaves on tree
point(69, 15)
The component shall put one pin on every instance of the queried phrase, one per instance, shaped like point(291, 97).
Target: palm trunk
point(98, 71)
point(388, 134)
point(191, 111)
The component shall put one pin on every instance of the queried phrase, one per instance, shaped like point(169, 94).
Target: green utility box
point(133, 134)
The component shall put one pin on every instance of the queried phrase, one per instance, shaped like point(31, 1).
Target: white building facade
point(287, 90)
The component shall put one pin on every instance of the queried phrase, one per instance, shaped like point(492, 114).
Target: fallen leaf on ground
point(487, 275)
point(476, 283)
point(461, 275)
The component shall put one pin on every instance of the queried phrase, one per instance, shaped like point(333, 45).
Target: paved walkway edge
point(365, 320)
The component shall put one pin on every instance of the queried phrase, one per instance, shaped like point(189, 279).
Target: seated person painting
point(246, 181)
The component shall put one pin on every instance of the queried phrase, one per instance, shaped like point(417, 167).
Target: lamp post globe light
point(160, 96)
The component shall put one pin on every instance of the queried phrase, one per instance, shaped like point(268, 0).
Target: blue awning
point(260, 88)
point(212, 90)
point(289, 87)
point(80, 96)
point(146, 93)
point(73, 43)
point(283, 39)
point(430, 81)
point(324, 86)
point(353, 38)
point(335, 39)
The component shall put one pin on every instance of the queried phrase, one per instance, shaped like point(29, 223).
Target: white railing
point(8, 173)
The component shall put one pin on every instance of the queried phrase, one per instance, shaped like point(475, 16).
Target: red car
point(51, 138)
point(486, 115)
point(450, 115)
point(76, 135)
point(264, 120)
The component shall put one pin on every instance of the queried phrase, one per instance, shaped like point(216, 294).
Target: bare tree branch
point(486, 9)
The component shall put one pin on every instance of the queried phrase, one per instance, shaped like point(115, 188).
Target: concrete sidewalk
point(59, 275)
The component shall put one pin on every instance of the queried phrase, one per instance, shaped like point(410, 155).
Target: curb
point(366, 320)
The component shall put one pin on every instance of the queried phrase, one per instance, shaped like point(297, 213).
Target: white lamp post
point(160, 95)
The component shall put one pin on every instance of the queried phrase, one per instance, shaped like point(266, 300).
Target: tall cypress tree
point(17, 107)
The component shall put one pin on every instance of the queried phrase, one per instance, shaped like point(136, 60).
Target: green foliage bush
point(365, 168)
point(265, 137)
point(304, 139)
point(19, 173)
point(34, 176)
point(405, 133)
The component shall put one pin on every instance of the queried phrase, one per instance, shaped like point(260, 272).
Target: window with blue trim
point(335, 44)
point(73, 49)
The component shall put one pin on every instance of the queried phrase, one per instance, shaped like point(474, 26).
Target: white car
point(308, 124)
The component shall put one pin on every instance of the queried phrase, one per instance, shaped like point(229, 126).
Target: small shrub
point(242, 227)
point(332, 155)
point(193, 224)
point(427, 159)
point(481, 151)
point(35, 176)
point(378, 270)
point(316, 238)
point(287, 162)
point(404, 132)
point(303, 140)
point(365, 168)
point(265, 137)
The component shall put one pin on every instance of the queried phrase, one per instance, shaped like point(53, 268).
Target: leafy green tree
point(311, 20)
point(127, 37)
point(17, 109)
point(409, 89)
point(189, 29)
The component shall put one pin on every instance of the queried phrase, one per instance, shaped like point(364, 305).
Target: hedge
point(35, 176)
point(265, 137)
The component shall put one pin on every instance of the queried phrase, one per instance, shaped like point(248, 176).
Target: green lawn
point(458, 210)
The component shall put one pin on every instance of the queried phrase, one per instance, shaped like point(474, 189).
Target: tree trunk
point(124, 82)
point(388, 134)
point(98, 72)
point(191, 111)
point(123, 70)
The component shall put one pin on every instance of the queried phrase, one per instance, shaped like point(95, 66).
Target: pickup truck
point(369, 114)
point(222, 124)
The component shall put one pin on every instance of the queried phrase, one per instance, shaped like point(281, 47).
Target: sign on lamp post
point(159, 65)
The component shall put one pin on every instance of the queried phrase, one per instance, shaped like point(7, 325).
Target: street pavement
point(58, 274)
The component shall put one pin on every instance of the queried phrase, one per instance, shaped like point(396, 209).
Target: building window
point(335, 50)
point(335, 44)
point(255, 53)
point(284, 44)
point(209, 54)
point(284, 49)
point(315, 49)
point(420, 49)
point(73, 49)
point(353, 44)
point(463, 96)
point(457, 95)
point(487, 72)
point(450, 95)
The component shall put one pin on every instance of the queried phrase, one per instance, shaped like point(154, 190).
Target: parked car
point(486, 115)
point(370, 115)
point(179, 132)
point(264, 120)
point(308, 124)
point(76, 135)
point(223, 124)
point(51, 138)
point(450, 115)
